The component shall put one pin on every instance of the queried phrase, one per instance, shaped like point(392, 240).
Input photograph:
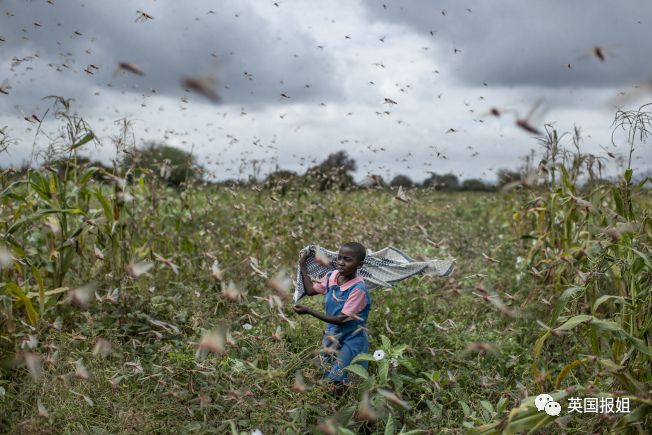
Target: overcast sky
point(298, 80)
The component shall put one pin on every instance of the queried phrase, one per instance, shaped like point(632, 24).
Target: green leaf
point(640, 345)
point(488, 406)
point(605, 298)
point(611, 366)
point(562, 301)
point(567, 369)
point(606, 325)
point(399, 349)
point(363, 357)
point(465, 408)
point(68, 256)
point(637, 265)
point(639, 186)
point(397, 381)
point(8, 190)
point(54, 183)
point(528, 423)
point(14, 290)
point(628, 175)
point(78, 231)
point(620, 208)
point(83, 141)
point(40, 185)
point(56, 291)
point(40, 214)
point(88, 173)
point(502, 404)
point(566, 179)
point(536, 350)
point(383, 370)
point(108, 212)
point(434, 376)
point(645, 258)
point(435, 408)
point(573, 322)
point(344, 431)
point(389, 427)
point(234, 429)
point(386, 343)
point(358, 370)
point(346, 414)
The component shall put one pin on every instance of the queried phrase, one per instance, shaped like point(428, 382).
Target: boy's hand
point(301, 309)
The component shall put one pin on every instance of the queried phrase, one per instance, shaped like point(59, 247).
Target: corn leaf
point(14, 290)
point(82, 141)
point(563, 300)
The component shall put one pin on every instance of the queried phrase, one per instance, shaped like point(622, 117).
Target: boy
point(346, 305)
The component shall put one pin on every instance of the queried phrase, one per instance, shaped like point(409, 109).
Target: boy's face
point(347, 262)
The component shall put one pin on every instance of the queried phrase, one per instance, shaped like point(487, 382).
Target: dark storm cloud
point(183, 39)
point(514, 42)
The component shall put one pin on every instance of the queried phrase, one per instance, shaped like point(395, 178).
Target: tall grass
point(590, 251)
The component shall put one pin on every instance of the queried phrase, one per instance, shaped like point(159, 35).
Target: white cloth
point(380, 269)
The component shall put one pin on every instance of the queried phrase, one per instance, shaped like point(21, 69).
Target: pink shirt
point(356, 300)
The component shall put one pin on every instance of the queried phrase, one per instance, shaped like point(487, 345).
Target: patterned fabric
point(380, 269)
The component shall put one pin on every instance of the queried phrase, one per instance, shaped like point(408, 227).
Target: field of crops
point(127, 306)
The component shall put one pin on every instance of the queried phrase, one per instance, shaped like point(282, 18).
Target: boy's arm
point(335, 320)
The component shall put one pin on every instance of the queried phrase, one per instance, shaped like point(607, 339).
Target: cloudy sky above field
point(298, 80)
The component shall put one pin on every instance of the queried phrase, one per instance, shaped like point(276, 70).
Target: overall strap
point(328, 278)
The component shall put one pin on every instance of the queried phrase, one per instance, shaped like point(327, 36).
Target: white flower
point(393, 362)
point(256, 432)
point(379, 354)
point(247, 326)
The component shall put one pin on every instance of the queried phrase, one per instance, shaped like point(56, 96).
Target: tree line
point(179, 168)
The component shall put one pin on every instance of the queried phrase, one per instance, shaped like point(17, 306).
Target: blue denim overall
point(350, 337)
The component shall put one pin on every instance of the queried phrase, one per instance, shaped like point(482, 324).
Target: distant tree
point(173, 165)
point(401, 180)
point(281, 181)
point(229, 182)
point(505, 176)
point(14, 171)
point(332, 173)
point(442, 182)
point(475, 184)
point(280, 176)
point(339, 160)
